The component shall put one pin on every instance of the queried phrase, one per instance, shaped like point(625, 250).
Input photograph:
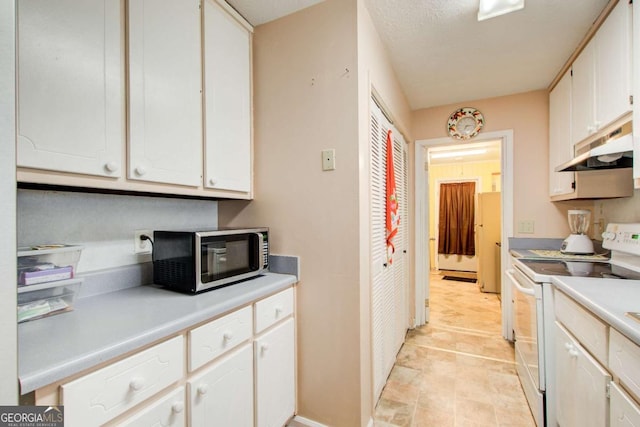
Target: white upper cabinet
point(165, 99)
point(583, 94)
point(560, 146)
point(71, 86)
point(227, 84)
point(613, 65)
point(602, 76)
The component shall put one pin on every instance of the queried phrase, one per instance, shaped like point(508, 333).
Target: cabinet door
point(581, 398)
point(222, 395)
point(275, 376)
point(227, 82)
point(583, 94)
point(613, 65)
point(165, 100)
point(71, 86)
point(169, 411)
point(624, 412)
point(560, 143)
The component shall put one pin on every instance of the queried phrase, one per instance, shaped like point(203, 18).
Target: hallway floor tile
point(457, 370)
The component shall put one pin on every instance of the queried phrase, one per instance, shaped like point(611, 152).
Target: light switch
point(328, 159)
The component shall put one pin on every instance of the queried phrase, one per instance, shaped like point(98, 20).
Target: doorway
point(425, 234)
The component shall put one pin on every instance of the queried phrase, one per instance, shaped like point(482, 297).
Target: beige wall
point(311, 89)
point(527, 114)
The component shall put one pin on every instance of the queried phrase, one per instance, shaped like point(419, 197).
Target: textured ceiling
point(443, 55)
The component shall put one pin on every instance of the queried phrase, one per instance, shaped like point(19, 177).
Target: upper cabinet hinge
point(426, 166)
point(630, 99)
point(608, 390)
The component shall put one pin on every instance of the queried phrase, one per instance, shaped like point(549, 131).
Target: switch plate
point(329, 159)
point(526, 226)
point(142, 246)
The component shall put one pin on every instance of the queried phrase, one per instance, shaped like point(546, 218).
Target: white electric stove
point(533, 308)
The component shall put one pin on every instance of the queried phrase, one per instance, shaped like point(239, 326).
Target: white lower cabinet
point(581, 384)
point(235, 370)
point(275, 375)
point(624, 412)
point(223, 393)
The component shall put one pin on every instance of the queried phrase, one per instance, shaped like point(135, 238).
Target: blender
point(578, 242)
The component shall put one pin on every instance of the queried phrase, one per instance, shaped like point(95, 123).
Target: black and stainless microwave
point(196, 261)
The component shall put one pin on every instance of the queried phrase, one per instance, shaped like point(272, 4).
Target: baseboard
point(299, 421)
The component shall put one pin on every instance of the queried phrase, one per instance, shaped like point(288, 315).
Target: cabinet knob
point(136, 383)
point(212, 181)
point(111, 167)
point(140, 170)
point(203, 388)
point(177, 407)
point(264, 348)
point(278, 311)
point(227, 336)
point(596, 126)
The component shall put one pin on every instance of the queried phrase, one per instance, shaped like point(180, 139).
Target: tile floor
point(457, 370)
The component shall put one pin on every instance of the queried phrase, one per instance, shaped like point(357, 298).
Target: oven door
point(529, 342)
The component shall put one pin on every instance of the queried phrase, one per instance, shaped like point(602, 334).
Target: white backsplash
point(104, 224)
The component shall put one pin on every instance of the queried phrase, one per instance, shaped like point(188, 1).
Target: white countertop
point(609, 299)
point(110, 325)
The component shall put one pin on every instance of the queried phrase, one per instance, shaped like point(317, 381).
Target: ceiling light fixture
point(448, 154)
point(492, 8)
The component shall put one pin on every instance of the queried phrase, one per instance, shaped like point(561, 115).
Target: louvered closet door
point(388, 283)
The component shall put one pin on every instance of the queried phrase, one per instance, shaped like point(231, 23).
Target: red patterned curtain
point(457, 219)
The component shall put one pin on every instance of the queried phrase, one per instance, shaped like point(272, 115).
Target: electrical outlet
point(142, 246)
point(526, 226)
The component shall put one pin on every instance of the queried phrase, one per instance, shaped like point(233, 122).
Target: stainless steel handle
point(261, 249)
point(526, 291)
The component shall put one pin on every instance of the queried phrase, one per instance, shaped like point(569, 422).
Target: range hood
point(610, 151)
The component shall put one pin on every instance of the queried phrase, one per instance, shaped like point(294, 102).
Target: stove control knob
point(608, 235)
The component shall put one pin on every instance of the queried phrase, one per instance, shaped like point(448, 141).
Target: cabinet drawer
point(271, 310)
point(624, 412)
point(624, 361)
point(169, 411)
point(590, 331)
point(100, 396)
point(211, 340)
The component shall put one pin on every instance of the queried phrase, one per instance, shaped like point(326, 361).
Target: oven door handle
point(526, 291)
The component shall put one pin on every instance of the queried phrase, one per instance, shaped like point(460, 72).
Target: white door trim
point(422, 221)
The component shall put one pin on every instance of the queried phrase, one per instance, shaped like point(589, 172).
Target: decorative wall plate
point(465, 123)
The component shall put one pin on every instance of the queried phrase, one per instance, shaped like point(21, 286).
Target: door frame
point(421, 216)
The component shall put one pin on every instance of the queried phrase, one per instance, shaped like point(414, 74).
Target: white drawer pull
point(203, 389)
point(227, 336)
point(571, 350)
point(177, 407)
point(136, 383)
point(212, 181)
point(264, 348)
point(278, 311)
point(141, 170)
